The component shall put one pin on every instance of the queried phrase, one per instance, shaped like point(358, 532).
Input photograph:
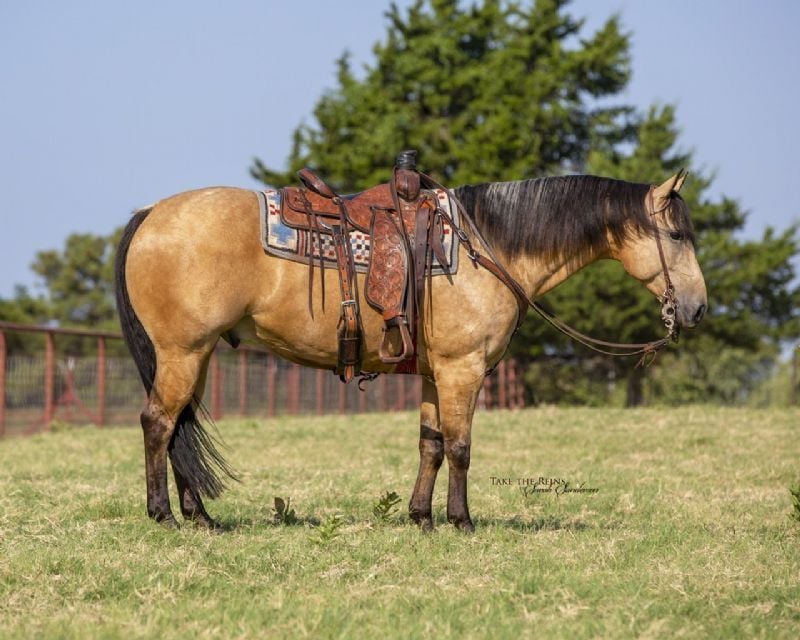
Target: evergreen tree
point(79, 281)
point(23, 308)
point(492, 91)
point(78, 292)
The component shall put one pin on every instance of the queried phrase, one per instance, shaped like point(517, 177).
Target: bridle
point(490, 262)
point(669, 304)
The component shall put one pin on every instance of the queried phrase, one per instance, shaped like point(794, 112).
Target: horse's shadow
point(515, 523)
point(228, 524)
point(540, 523)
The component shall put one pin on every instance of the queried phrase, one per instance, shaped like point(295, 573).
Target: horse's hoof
point(464, 525)
point(168, 521)
point(424, 522)
point(426, 525)
point(212, 526)
point(208, 523)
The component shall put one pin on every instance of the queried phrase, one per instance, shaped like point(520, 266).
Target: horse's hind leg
point(431, 455)
point(191, 504)
point(192, 507)
point(157, 428)
point(175, 382)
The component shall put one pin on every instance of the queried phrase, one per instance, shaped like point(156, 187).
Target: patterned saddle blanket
point(301, 245)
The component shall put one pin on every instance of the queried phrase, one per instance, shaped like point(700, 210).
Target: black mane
point(564, 216)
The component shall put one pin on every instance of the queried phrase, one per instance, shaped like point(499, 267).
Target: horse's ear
point(680, 179)
point(663, 191)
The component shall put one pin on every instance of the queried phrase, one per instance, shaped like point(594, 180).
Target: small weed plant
point(283, 513)
point(329, 530)
point(795, 491)
point(386, 506)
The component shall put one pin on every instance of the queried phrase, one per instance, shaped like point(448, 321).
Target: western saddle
point(406, 227)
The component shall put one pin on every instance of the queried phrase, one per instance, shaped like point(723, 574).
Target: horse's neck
point(538, 275)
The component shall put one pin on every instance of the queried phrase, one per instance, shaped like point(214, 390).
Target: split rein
point(647, 350)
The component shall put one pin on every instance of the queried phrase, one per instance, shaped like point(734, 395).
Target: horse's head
point(674, 261)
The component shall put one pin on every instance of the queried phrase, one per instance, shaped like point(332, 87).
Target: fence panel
point(72, 379)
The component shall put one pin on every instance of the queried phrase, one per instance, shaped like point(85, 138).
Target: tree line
point(496, 91)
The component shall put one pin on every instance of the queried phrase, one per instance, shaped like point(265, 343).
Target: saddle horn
point(406, 178)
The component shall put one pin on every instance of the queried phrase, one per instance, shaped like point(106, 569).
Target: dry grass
point(688, 534)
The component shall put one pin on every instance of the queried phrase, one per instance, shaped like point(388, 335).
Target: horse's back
point(205, 211)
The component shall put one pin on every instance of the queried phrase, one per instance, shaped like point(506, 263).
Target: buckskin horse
point(191, 269)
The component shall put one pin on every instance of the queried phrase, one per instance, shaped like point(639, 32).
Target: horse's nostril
point(698, 315)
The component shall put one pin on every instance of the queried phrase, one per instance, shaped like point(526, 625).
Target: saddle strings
point(314, 228)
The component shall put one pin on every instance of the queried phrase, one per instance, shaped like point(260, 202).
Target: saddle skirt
point(301, 245)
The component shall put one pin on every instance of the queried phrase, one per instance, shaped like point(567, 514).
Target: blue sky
point(108, 106)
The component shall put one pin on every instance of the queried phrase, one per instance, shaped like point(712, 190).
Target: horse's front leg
point(431, 454)
point(458, 385)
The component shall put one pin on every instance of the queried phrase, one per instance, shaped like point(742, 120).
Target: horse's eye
point(676, 235)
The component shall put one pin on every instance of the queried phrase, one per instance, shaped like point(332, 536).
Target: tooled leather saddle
point(406, 227)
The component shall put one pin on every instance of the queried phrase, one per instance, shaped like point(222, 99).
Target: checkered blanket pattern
point(298, 245)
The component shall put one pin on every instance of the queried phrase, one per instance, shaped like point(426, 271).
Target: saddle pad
point(295, 244)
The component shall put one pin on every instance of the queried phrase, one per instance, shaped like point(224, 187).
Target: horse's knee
point(458, 453)
point(431, 445)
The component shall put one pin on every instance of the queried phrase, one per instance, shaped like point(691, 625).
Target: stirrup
point(400, 323)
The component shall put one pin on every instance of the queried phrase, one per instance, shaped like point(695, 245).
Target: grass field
point(688, 533)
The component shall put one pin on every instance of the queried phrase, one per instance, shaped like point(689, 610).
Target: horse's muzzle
point(690, 315)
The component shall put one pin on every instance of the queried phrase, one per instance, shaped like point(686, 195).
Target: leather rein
point(647, 350)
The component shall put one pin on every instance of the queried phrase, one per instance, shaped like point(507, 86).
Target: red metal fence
point(85, 377)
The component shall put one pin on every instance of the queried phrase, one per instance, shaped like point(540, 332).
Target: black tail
point(192, 449)
point(139, 344)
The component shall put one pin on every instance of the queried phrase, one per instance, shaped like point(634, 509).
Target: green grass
point(688, 535)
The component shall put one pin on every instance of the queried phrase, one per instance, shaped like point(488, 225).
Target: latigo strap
point(349, 330)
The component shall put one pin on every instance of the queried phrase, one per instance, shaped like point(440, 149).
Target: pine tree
point(491, 91)
point(79, 280)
